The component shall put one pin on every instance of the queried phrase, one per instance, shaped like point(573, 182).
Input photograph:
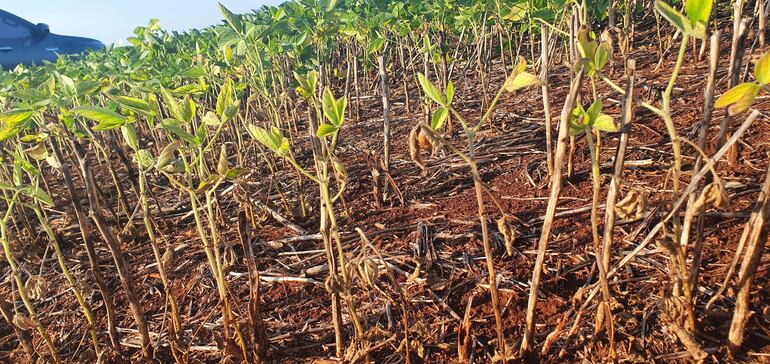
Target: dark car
point(22, 42)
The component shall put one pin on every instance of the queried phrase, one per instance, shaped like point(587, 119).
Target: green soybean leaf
point(743, 103)
point(736, 93)
point(172, 127)
point(272, 139)
point(601, 56)
point(225, 98)
point(762, 69)
point(698, 10)
point(233, 20)
point(135, 104)
point(674, 17)
point(37, 193)
point(20, 163)
point(698, 31)
point(171, 104)
point(144, 158)
point(87, 87)
point(261, 135)
point(188, 109)
point(208, 183)
point(329, 105)
point(193, 72)
point(11, 122)
point(235, 173)
point(129, 134)
point(186, 90)
point(437, 121)
point(326, 129)
point(105, 119)
point(576, 129)
point(431, 90)
point(342, 104)
point(606, 123)
point(594, 111)
point(15, 117)
point(520, 80)
point(166, 154)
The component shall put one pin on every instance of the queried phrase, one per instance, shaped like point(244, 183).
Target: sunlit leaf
point(743, 103)
point(225, 98)
point(171, 104)
point(135, 104)
point(674, 17)
point(762, 69)
point(606, 123)
point(38, 152)
point(326, 129)
point(129, 135)
point(106, 119)
point(521, 80)
point(437, 121)
point(736, 93)
point(11, 122)
point(210, 119)
point(601, 56)
point(431, 90)
point(233, 20)
point(166, 154)
point(698, 10)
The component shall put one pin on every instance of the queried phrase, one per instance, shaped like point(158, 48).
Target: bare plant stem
point(605, 287)
point(124, 271)
point(620, 157)
point(176, 320)
point(546, 99)
point(85, 232)
point(20, 285)
point(675, 142)
point(708, 108)
point(751, 261)
point(556, 181)
point(74, 286)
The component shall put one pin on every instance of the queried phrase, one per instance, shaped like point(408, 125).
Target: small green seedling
point(583, 120)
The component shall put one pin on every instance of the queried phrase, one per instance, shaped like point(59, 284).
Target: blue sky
point(112, 21)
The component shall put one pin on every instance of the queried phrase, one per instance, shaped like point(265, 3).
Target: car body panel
point(22, 42)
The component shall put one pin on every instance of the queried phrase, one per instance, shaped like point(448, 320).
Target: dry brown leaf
point(715, 195)
point(414, 147)
point(23, 322)
point(509, 233)
point(36, 287)
point(633, 206)
point(415, 275)
point(601, 317)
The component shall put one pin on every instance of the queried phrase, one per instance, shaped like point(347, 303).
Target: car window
point(12, 29)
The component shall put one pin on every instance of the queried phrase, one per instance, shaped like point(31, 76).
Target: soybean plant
point(182, 171)
point(588, 121)
point(325, 129)
point(518, 79)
